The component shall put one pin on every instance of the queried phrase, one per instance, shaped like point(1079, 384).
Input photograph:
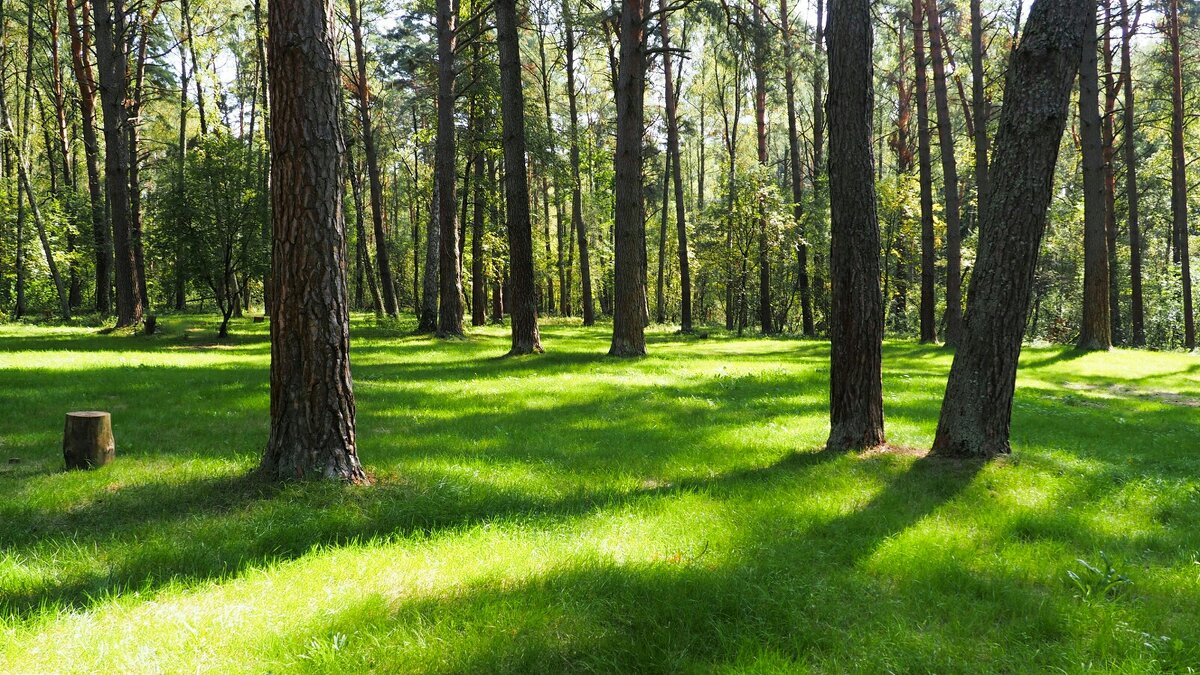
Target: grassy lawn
point(571, 512)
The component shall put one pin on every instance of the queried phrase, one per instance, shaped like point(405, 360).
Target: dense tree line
point(690, 162)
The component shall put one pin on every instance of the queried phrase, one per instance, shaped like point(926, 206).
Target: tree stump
point(88, 440)
point(151, 324)
point(259, 319)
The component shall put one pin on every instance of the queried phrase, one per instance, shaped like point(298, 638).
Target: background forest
point(170, 100)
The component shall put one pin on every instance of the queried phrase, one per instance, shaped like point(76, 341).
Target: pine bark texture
point(1095, 331)
point(629, 301)
point(977, 408)
point(856, 317)
point(312, 396)
point(522, 300)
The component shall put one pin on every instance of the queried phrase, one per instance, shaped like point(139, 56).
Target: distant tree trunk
point(1108, 128)
point(977, 409)
point(928, 307)
point(79, 23)
point(979, 105)
point(685, 274)
point(577, 222)
point(949, 178)
point(806, 315)
point(360, 231)
point(664, 213)
point(760, 123)
point(856, 320)
point(134, 106)
point(62, 147)
point(522, 301)
point(478, 281)
point(114, 80)
point(372, 158)
point(312, 396)
point(629, 303)
point(1136, 306)
point(1095, 332)
point(818, 135)
point(1179, 186)
point(428, 321)
point(450, 308)
point(182, 219)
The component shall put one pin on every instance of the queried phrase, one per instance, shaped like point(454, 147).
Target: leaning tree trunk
point(949, 177)
point(114, 80)
point(977, 409)
point(450, 307)
point(312, 396)
point(928, 309)
point(856, 317)
point(629, 303)
point(1095, 332)
point(522, 301)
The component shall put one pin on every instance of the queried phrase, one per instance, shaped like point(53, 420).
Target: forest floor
point(572, 512)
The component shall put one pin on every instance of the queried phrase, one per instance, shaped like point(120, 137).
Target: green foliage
point(1094, 583)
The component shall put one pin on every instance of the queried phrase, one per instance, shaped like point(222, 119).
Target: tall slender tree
point(1179, 186)
point(806, 315)
point(577, 222)
point(1095, 330)
point(450, 305)
point(856, 320)
point(941, 97)
point(1137, 310)
point(925, 169)
point(671, 93)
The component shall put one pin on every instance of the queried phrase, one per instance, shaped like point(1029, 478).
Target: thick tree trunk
point(1136, 306)
point(450, 307)
point(312, 396)
point(629, 303)
point(928, 309)
point(522, 301)
point(949, 178)
point(79, 23)
point(1095, 332)
point(114, 80)
point(856, 319)
point(577, 222)
point(1179, 186)
point(977, 409)
point(685, 274)
point(372, 157)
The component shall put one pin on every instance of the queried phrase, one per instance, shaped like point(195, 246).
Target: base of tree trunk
point(1093, 345)
point(524, 349)
point(965, 445)
point(845, 438)
point(88, 440)
point(626, 349)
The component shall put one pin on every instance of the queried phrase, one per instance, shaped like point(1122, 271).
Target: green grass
point(572, 512)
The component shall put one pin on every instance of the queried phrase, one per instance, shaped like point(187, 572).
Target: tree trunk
point(522, 301)
point(1108, 129)
point(949, 178)
point(806, 315)
point(360, 231)
point(372, 157)
point(312, 396)
point(428, 321)
point(928, 307)
point(760, 123)
point(856, 320)
point(79, 23)
point(114, 79)
point(664, 213)
point(977, 409)
point(1179, 187)
point(629, 303)
point(685, 275)
point(478, 281)
point(979, 105)
point(450, 308)
point(1137, 309)
point(1095, 332)
point(577, 222)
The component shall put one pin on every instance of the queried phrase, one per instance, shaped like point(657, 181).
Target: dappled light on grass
point(575, 512)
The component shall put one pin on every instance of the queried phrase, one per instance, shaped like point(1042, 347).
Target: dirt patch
point(1126, 391)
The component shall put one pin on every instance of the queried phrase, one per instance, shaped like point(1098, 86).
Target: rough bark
point(522, 301)
point(312, 396)
point(977, 408)
point(450, 306)
point(629, 302)
point(856, 318)
point(1095, 332)
point(88, 440)
point(114, 80)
